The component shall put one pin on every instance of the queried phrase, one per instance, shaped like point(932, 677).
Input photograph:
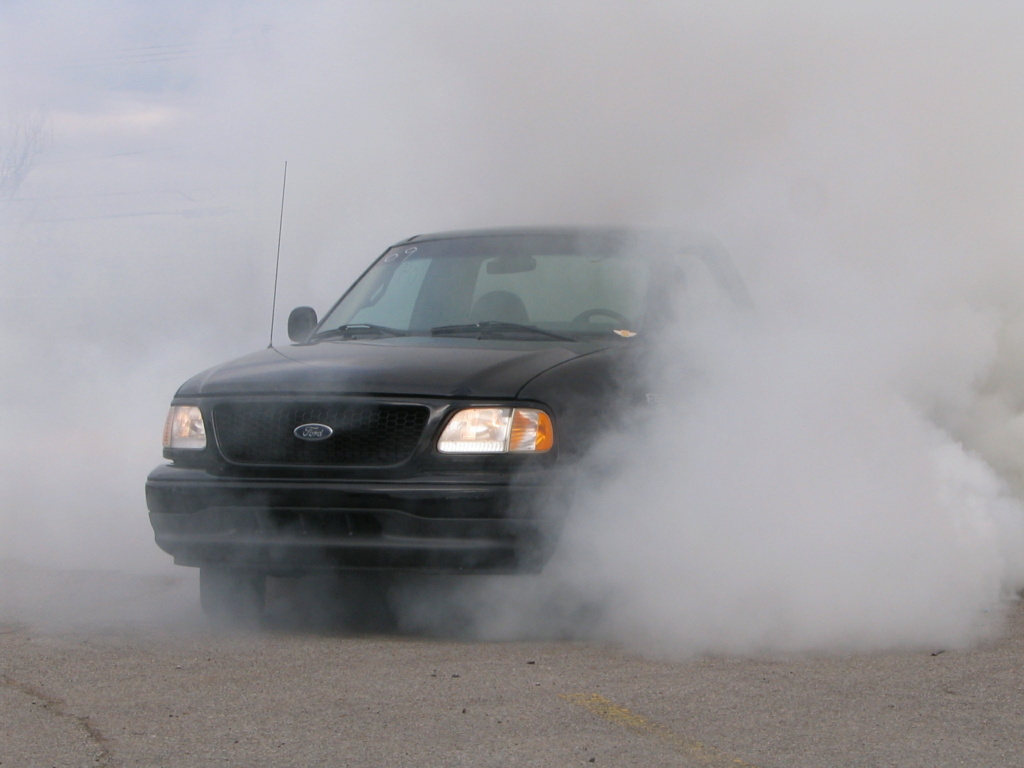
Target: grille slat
point(365, 434)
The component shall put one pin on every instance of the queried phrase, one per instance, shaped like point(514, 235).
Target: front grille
point(365, 434)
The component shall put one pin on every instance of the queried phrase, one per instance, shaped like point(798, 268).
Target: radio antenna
point(277, 265)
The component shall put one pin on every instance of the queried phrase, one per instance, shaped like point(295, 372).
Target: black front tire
point(232, 593)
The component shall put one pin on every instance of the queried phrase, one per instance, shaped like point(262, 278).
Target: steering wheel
point(598, 312)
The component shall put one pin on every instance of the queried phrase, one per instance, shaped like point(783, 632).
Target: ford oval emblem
point(312, 432)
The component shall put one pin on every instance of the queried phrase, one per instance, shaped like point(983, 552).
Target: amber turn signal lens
point(531, 431)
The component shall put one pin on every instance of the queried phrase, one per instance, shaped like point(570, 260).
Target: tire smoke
point(842, 469)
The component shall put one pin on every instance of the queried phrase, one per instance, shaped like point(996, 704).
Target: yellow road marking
point(702, 753)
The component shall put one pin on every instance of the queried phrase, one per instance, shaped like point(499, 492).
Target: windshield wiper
point(489, 327)
point(352, 330)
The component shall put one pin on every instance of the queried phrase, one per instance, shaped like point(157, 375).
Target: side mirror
point(301, 323)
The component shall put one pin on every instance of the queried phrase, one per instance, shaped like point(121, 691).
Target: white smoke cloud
point(800, 496)
point(844, 472)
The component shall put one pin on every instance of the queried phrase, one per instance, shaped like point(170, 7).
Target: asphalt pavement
point(117, 670)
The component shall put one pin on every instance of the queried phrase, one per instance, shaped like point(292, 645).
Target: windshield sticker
point(625, 334)
point(398, 254)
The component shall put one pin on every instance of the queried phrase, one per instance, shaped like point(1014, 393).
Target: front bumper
point(288, 526)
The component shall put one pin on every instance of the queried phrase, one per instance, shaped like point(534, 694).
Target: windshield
point(562, 284)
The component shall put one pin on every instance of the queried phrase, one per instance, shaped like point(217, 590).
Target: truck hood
point(403, 366)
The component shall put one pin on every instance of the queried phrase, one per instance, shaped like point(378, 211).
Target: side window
point(392, 304)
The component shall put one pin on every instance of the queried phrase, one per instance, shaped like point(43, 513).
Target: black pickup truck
point(431, 421)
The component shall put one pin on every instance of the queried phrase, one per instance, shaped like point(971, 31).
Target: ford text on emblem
point(313, 432)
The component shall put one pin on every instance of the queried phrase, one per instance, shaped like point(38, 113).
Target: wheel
point(358, 600)
point(340, 600)
point(600, 312)
point(232, 593)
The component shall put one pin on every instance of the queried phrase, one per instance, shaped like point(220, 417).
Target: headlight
point(497, 430)
point(184, 428)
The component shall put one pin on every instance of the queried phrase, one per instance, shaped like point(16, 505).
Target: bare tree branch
point(26, 138)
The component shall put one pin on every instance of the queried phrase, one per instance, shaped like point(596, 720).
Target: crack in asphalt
point(59, 707)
